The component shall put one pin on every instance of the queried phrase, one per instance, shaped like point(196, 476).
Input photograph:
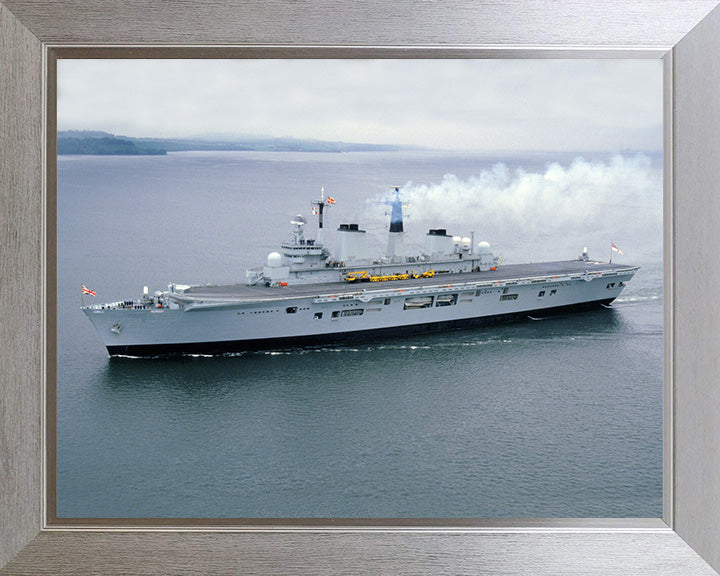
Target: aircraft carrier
point(303, 296)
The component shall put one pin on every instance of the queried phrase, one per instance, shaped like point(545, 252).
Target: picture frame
point(684, 33)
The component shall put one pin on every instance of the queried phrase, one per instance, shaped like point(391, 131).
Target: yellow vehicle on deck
point(428, 274)
point(389, 277)
point(361, 276)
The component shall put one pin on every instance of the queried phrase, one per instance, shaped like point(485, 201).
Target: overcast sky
point(484, 105)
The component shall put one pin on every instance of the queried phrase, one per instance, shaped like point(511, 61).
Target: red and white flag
point(331, 200)
point(616, 249)
point(86, 290)
point(314, 210)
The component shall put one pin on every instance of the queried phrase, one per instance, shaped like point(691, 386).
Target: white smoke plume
point(534, 215)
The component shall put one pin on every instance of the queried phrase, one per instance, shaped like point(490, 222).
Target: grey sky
point(482, 105)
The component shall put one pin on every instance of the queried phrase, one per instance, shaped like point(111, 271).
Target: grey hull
point(228, 318)
point(220, 347)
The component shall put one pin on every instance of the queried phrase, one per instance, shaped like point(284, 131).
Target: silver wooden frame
point(686, 33)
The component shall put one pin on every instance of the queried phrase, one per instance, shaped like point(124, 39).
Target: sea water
point(560, 417)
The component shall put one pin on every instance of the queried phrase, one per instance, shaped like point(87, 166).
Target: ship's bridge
point(303, 252)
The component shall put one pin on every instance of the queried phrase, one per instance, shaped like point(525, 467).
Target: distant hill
point(104, 143)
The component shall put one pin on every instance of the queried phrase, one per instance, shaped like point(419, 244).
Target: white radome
point(274, 260)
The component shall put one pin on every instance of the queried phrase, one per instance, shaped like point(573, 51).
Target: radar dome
point(456, 240)
point(484, 248)
point(274, 260)
point(466, 243)
point(298, 220)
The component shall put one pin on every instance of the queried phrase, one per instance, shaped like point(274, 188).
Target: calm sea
point(554, 418)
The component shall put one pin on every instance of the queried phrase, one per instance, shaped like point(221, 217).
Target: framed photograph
point(481, 541)
point(351, 303)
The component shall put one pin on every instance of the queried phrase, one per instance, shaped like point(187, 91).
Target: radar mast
point(395, 247)
point(318, 207)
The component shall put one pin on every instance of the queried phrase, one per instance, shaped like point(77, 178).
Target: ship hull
point(228, 346)
point(209, 320)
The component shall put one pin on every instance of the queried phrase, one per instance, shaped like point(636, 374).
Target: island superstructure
point(303, 295)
